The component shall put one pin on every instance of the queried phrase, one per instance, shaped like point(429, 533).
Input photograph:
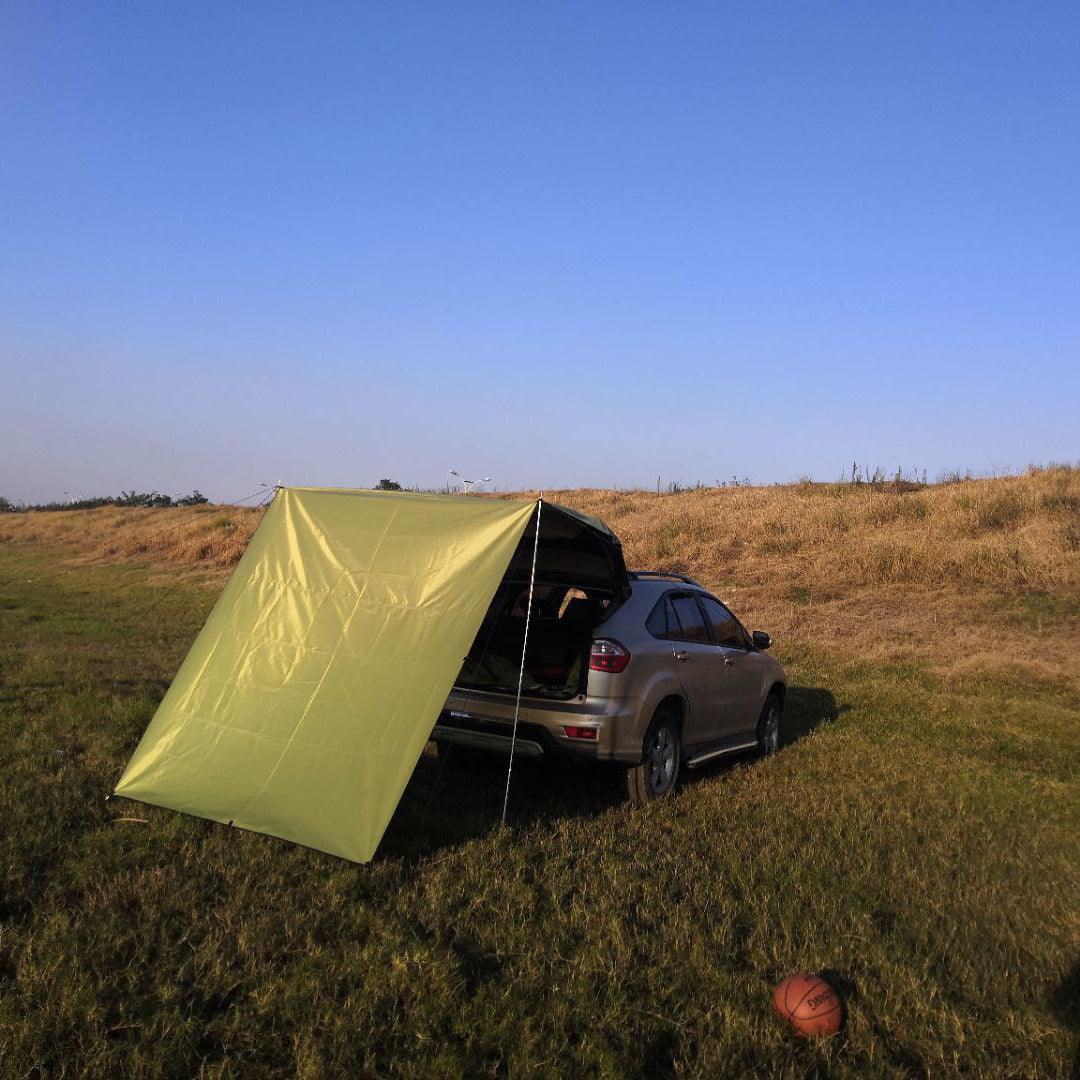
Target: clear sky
point(561, 245)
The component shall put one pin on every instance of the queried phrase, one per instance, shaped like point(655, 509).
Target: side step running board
point(700, 759)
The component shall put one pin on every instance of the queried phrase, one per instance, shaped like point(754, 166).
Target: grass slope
point(918, 837)
point(862, 571)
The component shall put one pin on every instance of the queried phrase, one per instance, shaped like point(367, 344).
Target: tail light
point(608, 655)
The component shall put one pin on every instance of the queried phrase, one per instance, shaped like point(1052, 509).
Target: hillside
point(957, 575)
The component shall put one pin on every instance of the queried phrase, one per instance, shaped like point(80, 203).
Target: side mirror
point(761, 639)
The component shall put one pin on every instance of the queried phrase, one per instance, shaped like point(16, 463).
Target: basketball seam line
point(791, 1009)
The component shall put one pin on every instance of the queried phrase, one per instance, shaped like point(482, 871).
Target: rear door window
point(725, 627)
point(691, 622)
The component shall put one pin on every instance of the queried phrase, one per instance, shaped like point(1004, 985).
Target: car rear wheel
point(769, 725)
point(655, 777)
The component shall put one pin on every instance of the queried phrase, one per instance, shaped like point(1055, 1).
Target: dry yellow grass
point(978, 578)
point(205, 537)
point(1015, 532)
point(975, 578)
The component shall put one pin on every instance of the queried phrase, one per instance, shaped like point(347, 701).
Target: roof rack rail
point(665, 574)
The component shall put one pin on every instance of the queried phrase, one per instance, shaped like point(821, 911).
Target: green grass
point(920, 844)
point(1040, 610)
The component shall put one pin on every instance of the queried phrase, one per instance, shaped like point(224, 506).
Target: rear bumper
point(485, 722)
point(531, 742)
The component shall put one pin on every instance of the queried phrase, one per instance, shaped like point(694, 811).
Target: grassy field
point(918, 837)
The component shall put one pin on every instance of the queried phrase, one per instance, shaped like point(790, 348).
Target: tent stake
point(521, 670)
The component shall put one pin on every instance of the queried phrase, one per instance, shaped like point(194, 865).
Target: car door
point(698, 665)
point(743, 692)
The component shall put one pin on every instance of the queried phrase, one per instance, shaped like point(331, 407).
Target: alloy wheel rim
point(662, 761)
point(771, 734)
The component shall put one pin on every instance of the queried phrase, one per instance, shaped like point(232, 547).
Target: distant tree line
point(125, 498)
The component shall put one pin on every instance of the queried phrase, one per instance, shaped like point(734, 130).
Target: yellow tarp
point(309, 694)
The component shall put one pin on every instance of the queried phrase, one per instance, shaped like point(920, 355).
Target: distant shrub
point(901, 508)
point(840, 519)
point(1064, 502)
point(779, 538)
point(145, 498)
point(387, 485)
point(889, 562)
point(1001, 511)
point(125, 498)
point(954, 476)
point(669, 540)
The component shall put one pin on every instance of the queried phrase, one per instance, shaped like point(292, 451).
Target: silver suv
point(646, 669)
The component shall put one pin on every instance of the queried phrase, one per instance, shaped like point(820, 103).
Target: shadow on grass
point(457, 796)
point(1065, 1002)
point(805, 708)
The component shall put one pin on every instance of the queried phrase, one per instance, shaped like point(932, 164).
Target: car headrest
point(582, 609)
point(544, 608)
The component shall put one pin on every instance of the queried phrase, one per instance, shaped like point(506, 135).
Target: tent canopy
point(307, 698)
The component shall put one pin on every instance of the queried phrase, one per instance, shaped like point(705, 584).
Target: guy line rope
point(521, 670)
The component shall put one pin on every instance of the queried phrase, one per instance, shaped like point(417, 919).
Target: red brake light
point(608, 655)
point(580, 733)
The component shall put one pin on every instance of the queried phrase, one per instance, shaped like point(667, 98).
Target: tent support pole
point(521, 670)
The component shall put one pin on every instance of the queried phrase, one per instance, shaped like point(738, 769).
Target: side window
point(691, 622)
point(657, 622)
point(725, 627)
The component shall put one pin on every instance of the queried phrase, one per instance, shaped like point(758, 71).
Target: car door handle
point(728, 661)
point(681, 654)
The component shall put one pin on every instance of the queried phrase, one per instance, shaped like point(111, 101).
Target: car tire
point(770, 725)
point(656, 776)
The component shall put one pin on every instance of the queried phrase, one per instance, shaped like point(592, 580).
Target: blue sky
point(558, 244)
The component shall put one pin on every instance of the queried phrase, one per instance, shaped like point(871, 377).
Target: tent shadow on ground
point(453, 799)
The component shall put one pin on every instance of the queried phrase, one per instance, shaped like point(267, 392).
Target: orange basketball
point(809, 1004)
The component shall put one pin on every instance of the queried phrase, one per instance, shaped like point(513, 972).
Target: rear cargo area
point(579, 574)
point(560, 635)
